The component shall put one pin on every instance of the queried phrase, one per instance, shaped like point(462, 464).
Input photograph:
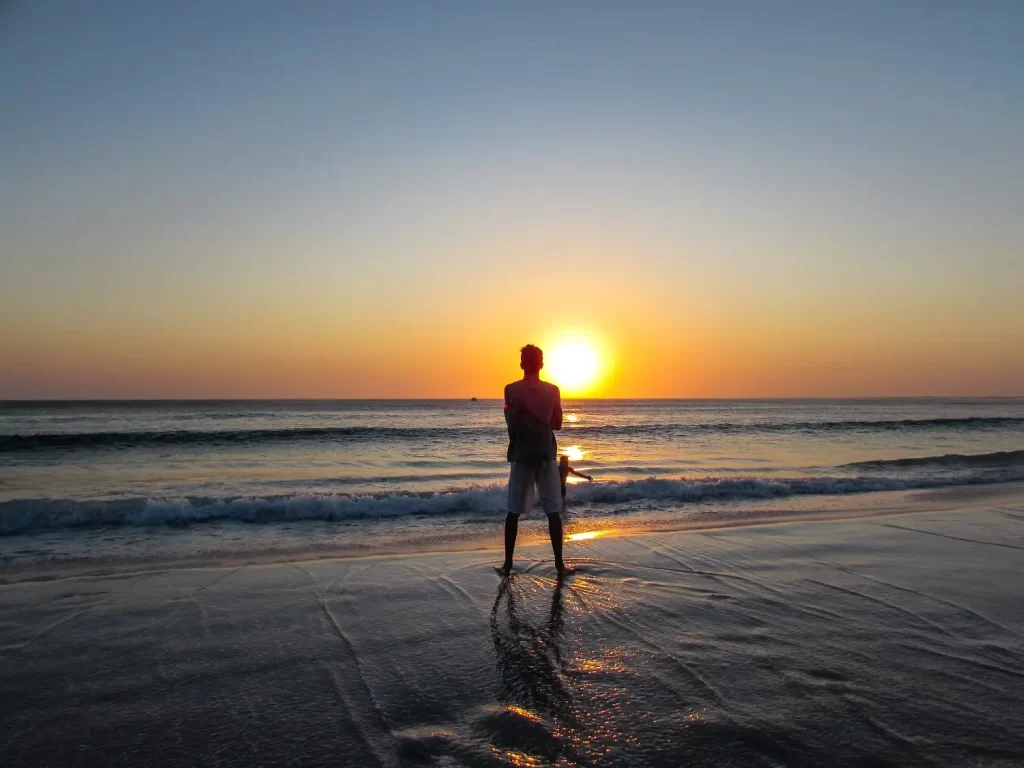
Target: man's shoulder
point(534, 387)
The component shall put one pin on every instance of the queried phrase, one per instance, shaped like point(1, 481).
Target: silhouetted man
point(533, 409)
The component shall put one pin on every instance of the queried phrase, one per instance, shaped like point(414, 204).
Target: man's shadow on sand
point(530, 656)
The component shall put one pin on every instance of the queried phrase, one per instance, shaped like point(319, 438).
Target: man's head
point(531, 359)
point(564, 459)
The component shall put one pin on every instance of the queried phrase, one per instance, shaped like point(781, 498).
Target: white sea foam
point(26, 515)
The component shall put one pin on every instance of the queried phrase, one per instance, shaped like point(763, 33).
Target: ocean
point(798, 583)
point(190, 479)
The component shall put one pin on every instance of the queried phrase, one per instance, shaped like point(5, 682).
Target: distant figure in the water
point(564, 470)
point(533, 410)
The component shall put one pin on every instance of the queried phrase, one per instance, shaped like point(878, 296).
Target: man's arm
point(514, 405)
point(556, 412)
point(580, 474)
point(508, 407)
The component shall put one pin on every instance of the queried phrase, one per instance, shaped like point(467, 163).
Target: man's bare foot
point(505, 569)
point(564, 570)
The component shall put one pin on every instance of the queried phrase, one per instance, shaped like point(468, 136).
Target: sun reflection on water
point(522, 712)
point(588, 535)
point(574, 452)
point(517, 758)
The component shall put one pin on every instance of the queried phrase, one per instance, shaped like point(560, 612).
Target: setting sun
point(573, 365)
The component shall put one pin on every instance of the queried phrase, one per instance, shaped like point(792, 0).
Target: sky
point(322, 199)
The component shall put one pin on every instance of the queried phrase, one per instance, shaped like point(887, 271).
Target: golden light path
point(584, 535)
point(574, 452)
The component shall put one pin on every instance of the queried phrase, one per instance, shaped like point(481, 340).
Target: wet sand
point(877, 641)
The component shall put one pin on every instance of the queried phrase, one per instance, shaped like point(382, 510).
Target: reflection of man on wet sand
point(533, 410)
point(533, 670)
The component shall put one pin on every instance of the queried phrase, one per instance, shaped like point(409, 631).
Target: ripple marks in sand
point(884, 603)
point(366, 716)
point(954, 538)
point(940, 600)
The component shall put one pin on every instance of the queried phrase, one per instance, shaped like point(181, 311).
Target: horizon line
point(485, 399)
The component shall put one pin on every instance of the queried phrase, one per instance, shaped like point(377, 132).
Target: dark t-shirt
point(531, 407)
point(530, 439)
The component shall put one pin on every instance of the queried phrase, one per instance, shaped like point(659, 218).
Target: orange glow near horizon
point(334, 343)
point(319, 348)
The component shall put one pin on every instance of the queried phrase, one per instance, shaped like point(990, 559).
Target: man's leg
point(520, 494)
point(511, 531)
point(555, 531)
point(550, 486)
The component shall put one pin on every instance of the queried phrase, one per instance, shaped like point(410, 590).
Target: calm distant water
point(76, 467)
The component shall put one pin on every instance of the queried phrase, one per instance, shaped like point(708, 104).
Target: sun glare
point(574, 452)
point(573, 365)
point(584, 535)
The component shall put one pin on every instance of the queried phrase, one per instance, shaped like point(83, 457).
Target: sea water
point(187, 478)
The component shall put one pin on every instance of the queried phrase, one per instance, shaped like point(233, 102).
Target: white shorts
point(521, 479)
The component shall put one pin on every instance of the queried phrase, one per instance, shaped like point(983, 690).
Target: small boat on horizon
point(473, 400)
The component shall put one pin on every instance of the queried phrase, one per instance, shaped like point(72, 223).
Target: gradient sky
point(341, 199)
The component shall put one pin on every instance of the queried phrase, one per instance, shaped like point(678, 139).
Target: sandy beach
point(892, 640)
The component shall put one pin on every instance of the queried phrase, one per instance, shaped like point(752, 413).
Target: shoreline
point(533, 531)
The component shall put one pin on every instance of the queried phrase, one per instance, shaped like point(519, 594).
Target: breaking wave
point(26, 515)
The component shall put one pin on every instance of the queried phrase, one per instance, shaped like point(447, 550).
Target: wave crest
point(26, 515)
point(953, 460)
